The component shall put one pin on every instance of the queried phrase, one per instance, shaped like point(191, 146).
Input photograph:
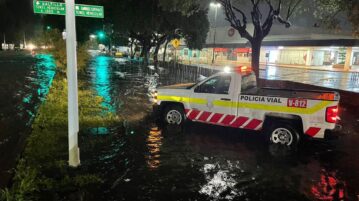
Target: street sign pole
point(70, 9)
point(73, 112)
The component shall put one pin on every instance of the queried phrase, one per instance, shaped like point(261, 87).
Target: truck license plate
point(296, 102)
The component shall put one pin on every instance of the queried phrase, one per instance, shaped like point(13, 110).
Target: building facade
point(289, 47)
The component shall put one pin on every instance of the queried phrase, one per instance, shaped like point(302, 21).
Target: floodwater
point(143, 161)
point(348, 81)
point(24, 83)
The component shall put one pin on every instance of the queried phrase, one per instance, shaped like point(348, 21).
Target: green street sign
point(56, 8)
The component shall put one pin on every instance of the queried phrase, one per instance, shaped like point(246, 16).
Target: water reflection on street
point(154, 142)
point(24, 83)
point(199, 162)
point(337, 80)
point(101, 73)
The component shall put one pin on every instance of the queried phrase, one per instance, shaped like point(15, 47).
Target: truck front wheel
point(174, 114)
point(283, 134)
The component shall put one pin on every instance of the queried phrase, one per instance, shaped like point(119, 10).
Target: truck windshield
point(249, 84)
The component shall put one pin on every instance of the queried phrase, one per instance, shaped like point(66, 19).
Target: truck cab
point(232, 99)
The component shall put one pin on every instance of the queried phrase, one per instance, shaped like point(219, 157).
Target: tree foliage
point(186, 7)
point(56, 45)
point(195, 29)
point(153, 22)
point(330, 13)
point(262, 14)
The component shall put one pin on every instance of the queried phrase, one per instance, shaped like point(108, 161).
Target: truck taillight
point(331, 115)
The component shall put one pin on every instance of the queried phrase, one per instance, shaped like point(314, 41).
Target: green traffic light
point(101, 35)
point(48, 27)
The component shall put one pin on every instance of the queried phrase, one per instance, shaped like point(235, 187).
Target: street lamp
point(215, 6)
point(92, 36)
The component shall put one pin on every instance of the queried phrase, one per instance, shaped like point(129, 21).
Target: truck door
point(212, 101)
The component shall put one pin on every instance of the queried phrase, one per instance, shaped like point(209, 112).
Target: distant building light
point(215, 5)
point(64, 35)
point(31, 46)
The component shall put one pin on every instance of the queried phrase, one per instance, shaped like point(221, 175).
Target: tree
point(195, 29)
point(237, 16)
point(56, 46)
point(135, 20)
point(330, 13)
point(157, 22)
point(191, 23)
point(186, 7)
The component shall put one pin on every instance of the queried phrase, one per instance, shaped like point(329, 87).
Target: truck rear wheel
point(173, 114)
point(283, 134)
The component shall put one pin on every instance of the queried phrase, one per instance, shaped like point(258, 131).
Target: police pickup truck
point(232, 99)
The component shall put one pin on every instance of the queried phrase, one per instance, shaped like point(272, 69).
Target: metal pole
point(25, 40)
point(175, 58)
point(215, 32)
point(73, 114)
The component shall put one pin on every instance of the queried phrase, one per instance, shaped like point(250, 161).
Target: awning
point(219, 49)
point(242, 50)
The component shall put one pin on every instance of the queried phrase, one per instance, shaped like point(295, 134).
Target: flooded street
point(348, 81)
point(24, 83)
point(143, 161)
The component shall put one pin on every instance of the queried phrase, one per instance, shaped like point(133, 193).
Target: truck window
point(249, 84)
point(216, 85)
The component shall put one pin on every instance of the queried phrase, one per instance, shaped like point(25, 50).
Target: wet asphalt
point(348, 81)
point(24, 84)
point(146, 161)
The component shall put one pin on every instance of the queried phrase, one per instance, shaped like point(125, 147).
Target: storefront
point(355, 59)
point(325, 57)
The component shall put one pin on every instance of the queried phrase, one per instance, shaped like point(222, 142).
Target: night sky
point(16, 18)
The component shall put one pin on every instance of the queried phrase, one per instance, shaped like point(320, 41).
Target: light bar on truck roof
point(238, 69)
point(326, 96)
point(243, 69)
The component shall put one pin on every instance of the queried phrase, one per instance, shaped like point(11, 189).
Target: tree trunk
point(165, 51)
point(131, 49)
point(155, 55)
point(256, 48)
point(143, 50)
point(144, 53)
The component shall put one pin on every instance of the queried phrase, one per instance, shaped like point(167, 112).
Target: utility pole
point(24, 40)
point(73, 112)
point(216, 6)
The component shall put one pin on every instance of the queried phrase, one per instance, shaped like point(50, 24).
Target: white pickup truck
point(232, 99)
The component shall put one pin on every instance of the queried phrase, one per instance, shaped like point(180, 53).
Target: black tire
point(173, 115)
point(283, 133)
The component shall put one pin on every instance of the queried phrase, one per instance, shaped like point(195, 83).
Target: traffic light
point(48, 28)
point(101, 35)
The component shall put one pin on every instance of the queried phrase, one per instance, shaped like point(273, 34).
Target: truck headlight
point(154, 97)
